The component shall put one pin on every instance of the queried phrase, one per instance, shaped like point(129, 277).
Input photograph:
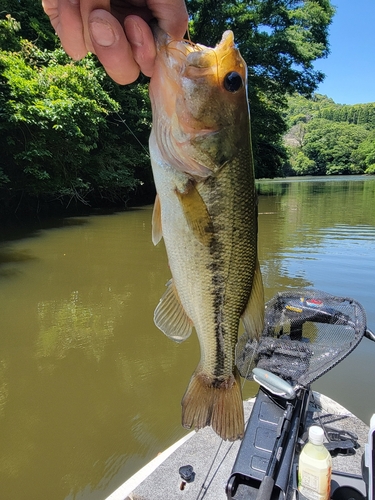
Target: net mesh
point(306, 333)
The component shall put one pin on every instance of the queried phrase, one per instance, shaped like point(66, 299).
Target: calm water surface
point(90, 390)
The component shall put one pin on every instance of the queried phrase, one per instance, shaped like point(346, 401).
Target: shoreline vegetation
point(325, 138)
point(72, 140)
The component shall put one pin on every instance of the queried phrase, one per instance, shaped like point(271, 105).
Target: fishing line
point(122, 120)
point(318, 415)
point(248, 370)
point(188, 33)
point(205, 487)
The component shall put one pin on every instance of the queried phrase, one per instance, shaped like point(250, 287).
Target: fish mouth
point(193, 60)
point(171, 48)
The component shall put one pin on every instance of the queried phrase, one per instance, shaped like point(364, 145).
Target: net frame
point(306, 333)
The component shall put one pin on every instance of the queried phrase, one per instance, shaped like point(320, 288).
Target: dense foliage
point(67, 132)
point(328, 138)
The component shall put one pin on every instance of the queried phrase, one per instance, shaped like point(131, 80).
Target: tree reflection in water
point(74, 323)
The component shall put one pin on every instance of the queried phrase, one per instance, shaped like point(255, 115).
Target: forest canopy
point(68, 133)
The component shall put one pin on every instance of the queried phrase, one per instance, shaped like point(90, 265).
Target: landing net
point(307, 332)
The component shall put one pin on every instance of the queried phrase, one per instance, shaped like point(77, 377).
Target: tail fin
point(214, 402)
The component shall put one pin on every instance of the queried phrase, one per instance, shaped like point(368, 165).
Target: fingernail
point(133, 32)
point(102, 33)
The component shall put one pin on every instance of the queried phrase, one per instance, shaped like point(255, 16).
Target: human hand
point(117, 31)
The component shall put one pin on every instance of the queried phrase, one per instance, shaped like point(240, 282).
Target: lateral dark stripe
point(216, 266)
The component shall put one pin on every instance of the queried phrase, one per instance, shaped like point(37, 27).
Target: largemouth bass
point(206, 211)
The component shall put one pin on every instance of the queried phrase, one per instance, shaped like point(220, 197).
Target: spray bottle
point(314, 468)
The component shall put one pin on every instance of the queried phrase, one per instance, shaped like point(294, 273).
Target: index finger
point(172, 16)
point(66, 19)
point(86, 7)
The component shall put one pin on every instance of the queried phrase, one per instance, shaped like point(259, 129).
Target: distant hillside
point(321, 106)
point(328, 138)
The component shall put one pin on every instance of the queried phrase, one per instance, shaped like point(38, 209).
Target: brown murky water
point(90, 390)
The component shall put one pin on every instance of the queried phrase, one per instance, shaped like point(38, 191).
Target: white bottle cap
point(316, 435)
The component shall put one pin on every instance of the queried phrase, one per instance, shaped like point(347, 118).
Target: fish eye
point(233, 81)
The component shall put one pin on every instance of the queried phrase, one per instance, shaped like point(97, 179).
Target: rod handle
point(266, 488)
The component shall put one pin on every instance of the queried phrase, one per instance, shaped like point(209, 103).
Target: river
point(90, 389)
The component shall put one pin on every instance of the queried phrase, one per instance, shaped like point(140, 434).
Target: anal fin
point(253, 316)
point(170, 317)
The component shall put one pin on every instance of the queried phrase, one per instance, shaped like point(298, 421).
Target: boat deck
point(212, 459)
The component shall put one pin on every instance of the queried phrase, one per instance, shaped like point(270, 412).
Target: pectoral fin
point(253, 316)
point(170, 317)
point(157, 232)
point(196, 214)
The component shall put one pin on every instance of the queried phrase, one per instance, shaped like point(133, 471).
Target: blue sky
point(350, 67)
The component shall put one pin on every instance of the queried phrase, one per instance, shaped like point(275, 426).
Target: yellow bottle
point(314, 467)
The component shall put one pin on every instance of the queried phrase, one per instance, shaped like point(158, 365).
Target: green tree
point(9, 38)
point(280, 40)
point(301, 164)
point(53, 119)
point(331, 145)
point(62, 134)
point(302, 109)
point(365, 154)
point(34, 25)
